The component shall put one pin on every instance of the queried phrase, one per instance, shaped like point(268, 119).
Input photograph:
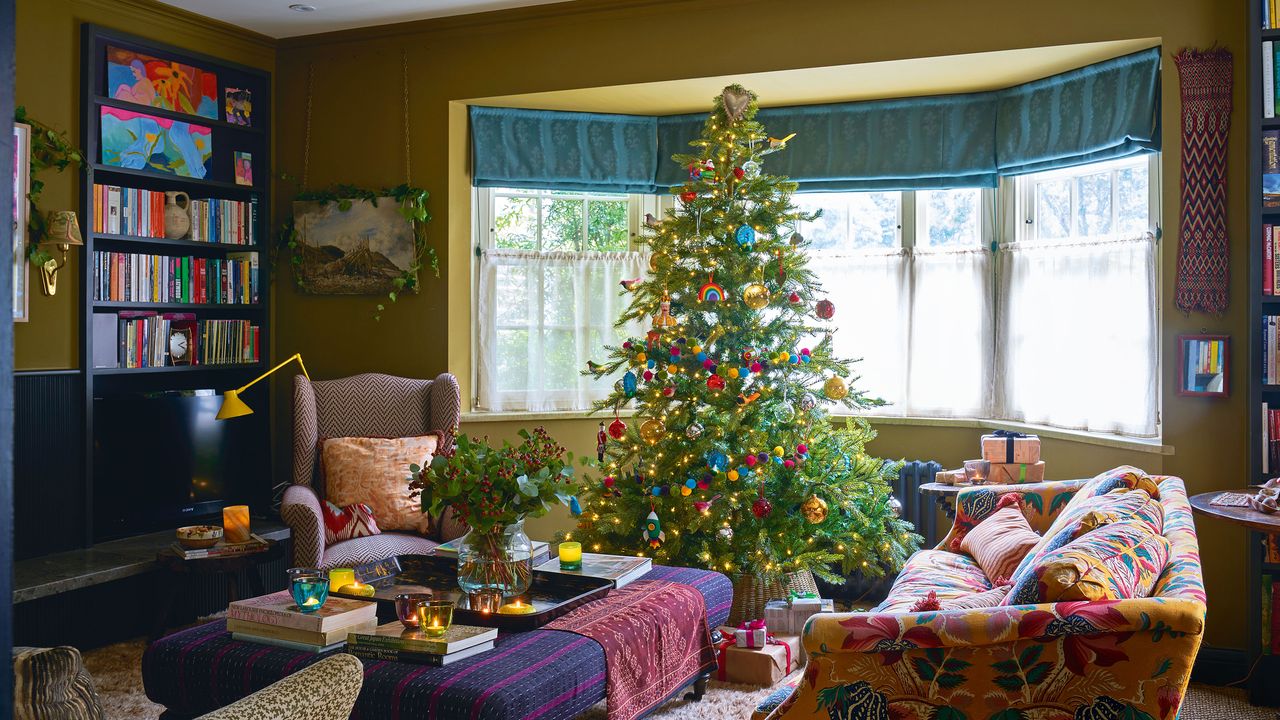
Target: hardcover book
point(305, 637)
point(278, 609)
point(621, 569)
point(408, 656)
point(304, 647)
point(394, 636)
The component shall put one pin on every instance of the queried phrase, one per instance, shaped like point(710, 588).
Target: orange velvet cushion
point(375, 472)
point(999, 542)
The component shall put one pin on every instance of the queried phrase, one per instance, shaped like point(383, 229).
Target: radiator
point(918, 509)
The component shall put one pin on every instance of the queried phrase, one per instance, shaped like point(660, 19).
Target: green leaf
point(950, 681)
point(924, 669)
point(1007, 667)
point(948, 713)
point(1162, 668)
point(1029, 655)
point(1012, 683)
point(527, 486)
point(1038, 673)
point(1008, 714)
point(344, 205)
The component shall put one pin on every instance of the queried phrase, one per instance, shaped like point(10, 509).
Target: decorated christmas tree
point(731, 461)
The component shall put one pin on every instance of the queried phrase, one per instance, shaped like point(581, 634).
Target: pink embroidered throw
point(655, 639)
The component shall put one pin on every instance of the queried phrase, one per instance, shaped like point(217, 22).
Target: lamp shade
point(64, 228)
point(233, 406)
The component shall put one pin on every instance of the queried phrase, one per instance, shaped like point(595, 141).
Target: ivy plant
point(50, 149)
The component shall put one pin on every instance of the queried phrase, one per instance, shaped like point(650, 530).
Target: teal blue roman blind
point(1107, 110)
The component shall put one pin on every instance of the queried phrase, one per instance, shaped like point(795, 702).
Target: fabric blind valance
point(1107, 110)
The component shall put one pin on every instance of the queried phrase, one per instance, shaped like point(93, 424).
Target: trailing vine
point(413, 206)
point(49, 149)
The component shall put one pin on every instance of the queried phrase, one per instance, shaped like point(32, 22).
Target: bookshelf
point(99, 93)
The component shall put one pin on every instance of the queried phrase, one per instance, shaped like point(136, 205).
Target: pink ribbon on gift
point(750, 627)
point(729, 641)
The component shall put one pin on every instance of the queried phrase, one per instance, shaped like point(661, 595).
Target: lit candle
point(235, 523)
point(519, 607)
point(356, 588)
point(435, 617)
point(341, 577)
point(570, 556)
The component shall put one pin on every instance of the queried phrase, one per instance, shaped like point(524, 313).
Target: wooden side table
point(177, 573)
point(944, 495)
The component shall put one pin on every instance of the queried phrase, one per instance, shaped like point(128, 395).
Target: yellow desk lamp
point(233, 406)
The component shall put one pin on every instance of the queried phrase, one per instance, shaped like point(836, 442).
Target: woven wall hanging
point(1204, 77)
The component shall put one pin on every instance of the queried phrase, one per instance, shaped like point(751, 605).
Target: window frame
point(1022, 193)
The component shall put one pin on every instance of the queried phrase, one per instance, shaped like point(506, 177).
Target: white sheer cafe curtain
point(542, 316)
point(1077, 335)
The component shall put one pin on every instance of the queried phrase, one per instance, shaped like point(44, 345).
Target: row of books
point(1270, 14)
point(134, 277)
point(1270, 438)
point(1205, 358)
point(223, 549)
point(143, 339)
point(140, 213)
point(1270, 73)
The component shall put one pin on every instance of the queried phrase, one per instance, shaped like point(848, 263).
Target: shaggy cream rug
point(117, 672)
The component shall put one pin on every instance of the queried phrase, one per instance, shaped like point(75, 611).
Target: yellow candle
point(570, 555)
point(357, 588)
point(312, 601)
point(341, 577)
point(517, 608)
point(235, 523)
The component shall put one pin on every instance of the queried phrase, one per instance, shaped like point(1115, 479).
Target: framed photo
point(1204, 365)
point(244, 168)
point(21, 216)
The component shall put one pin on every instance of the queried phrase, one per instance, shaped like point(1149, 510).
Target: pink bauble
point(802, 448)
point(788, 464)
point(751, 461)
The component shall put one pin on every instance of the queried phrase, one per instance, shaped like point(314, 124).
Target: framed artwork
point(239, 106)
point(359, 250)
point(155, 82)
point(1204, 365)
point(21, 216)
point(244, 168)
point(145, 142)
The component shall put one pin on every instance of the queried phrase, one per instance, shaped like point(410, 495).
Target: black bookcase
point(226, 137)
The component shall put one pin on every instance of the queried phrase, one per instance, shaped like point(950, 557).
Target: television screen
point(162, 462)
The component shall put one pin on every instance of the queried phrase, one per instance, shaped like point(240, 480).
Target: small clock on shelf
point(180, 346)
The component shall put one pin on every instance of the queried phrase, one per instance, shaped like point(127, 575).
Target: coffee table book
point(365, 652)
point(619, 569)
point(395, 636)
point(255, 545)
point(279, 609)
point(263, 631)
point(301, 647)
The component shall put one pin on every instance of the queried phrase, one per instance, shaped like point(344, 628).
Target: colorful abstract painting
point(144, 142)
point(146, 80)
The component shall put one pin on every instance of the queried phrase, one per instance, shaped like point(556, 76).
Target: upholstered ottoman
point(543, 674)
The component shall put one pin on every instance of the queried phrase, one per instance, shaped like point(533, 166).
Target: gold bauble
point(652, 430)
point(814, 509)
point(653, 262)
point(835, 389)
point(756, 296)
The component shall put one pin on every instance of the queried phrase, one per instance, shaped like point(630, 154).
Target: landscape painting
point(144, 142)
point(358, 251)
point(146, 80)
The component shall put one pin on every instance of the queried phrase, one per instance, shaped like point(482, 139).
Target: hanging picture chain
point(404, 67)
point(306, 138)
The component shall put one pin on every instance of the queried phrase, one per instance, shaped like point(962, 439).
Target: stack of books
point(621, 569)
point(391, 641)
point(256, 544)
point(275, 620)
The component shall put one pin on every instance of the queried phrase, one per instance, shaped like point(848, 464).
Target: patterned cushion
point(1000, 542)
point(344, 523)
point(358, 551)
point(326, 690)
point(52, 684)
point(972, 601)
point(1114, 562)
point(772, 702)
point(375, 471)
point(1125, 476)
point(949, 574)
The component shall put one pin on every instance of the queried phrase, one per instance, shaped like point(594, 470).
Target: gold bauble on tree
point(814, 509)
point(756, 296)
point(652, 430)
point(835, 388)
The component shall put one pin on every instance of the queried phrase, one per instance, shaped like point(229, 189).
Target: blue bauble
point(702, 357)
point(654, 363)
point(745, 235)
point(629, 384)
point(656, 490)
point(717, 461)
point(691, 483)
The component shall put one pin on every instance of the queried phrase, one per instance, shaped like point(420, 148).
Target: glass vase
point(499, 560)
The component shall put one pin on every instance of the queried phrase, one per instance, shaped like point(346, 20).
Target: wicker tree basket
point(751, 592)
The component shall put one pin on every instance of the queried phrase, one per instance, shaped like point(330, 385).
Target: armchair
point(367, 405)
point(326, 690)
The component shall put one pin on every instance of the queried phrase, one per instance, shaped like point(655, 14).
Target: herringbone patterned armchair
point(367, 405)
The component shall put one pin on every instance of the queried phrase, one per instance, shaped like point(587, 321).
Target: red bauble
point(715, 382)
point(826, 309)
point(688, 196)
point(617, 429)
point(739, 172)
point(669, 391)
point(761, 507)
point(794, 297)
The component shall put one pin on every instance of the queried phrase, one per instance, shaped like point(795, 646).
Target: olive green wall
point(48, 84)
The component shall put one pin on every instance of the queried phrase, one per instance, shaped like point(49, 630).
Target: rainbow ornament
point(711, 292)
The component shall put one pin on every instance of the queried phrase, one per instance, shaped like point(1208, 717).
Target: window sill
point(1154, 447)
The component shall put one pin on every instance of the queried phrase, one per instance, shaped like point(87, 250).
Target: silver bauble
point(693, 431)
point(784, 412)
point(895, 505)
point(808, 402)
point(751, 169)
point(726, 533)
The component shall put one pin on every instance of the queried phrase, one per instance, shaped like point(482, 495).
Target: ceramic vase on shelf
point(501, 560)
point(177, 214)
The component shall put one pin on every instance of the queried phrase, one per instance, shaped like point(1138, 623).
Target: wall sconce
point(64, 231)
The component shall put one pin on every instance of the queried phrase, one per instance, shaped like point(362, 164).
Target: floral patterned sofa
point(1124, 659)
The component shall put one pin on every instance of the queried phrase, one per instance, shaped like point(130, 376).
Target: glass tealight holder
point(309, 588)
point(570, 555)
point(485, 601)
point(977, 471)
point(407, 608)
point(435, 617)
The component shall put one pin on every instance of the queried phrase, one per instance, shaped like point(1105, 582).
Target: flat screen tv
point(160, 462)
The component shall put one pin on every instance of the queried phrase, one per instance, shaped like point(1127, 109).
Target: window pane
point(515, 220)
point(559, 360)
point(1093, 217)
point(512, 287)
point(1134, 198)
point(607, 225)
point(951, 218)
point(561, 225)
point(852, 221)
point(1053, 209)
point(513, 360)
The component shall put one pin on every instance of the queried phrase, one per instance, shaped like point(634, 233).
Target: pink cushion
point(999, 542)
point(375, 472)
point(344, 523)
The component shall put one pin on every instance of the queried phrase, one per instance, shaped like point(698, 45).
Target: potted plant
point(493, 490)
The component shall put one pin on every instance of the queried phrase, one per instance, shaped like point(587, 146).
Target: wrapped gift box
point(753, 636)
point(1015, 473)
point(788, 618)
point(1011, 448)
point(950, 477)
point(763, 666)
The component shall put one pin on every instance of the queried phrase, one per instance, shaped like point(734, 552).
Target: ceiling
point(805, 86)
point(274, 18)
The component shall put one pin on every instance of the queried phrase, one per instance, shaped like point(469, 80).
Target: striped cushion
point(1000, 542)
point(52, 684)
point(972, 601)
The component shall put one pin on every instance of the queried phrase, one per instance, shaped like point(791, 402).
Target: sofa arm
point(300, 510)
point(829, 633)
point(1041, 503)
point(326, 690)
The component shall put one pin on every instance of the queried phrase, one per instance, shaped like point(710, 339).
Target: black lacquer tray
point(551, 594)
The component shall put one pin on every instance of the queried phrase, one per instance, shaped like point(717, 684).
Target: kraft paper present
point(1011, 448)
point(763, 666)
point(786, 618)
point(950, 477)
point(1016, 473)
